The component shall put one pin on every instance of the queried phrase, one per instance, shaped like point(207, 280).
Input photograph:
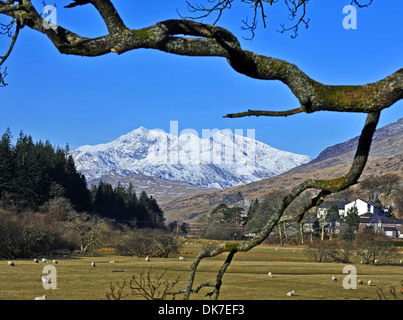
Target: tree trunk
point(301, 232)
point(322, 234)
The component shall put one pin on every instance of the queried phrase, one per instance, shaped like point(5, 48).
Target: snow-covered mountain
point(219, 161)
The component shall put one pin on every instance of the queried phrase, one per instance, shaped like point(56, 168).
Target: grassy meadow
point(245, 279)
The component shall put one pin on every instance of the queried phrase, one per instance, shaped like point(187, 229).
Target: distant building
point(324, 208)
point(364, 207)
point(381, 225)
point(372, 216)
point(308, 225)
point(332, 225)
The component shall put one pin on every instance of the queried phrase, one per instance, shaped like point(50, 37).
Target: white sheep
point(40, 298)
point(36, 260)
point(148, 259)
point(181, 258)
point(44, 279)
point(93, 264)
point(270, 275)
point(334, 278)
point(55, 261)
point(112, 261)
point(44, 260)
point(360, 281)
point(369, 282)
point(11, 264)
point(291, 293)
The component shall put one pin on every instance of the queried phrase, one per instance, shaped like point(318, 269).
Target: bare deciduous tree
point(88, 229)
point(150, 285)
point(398, 196)
point(191, 38)
point(27, 234)
point(375, 248)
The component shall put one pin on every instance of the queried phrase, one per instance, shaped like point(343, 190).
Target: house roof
point(368, 215)
point(391, 220)
point(332, 219)
point(369, 218)
point(312, 220)
point(369, 202)
point(373, 218)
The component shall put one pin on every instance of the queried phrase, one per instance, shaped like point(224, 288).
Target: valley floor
point(246, 278)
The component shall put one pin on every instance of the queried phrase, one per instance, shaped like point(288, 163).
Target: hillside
point(386, 156)
point(159, 188)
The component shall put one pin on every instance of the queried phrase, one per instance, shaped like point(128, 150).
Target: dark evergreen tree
point(6, 166)
point(156, 215)
point(28, 171)
point(76, 186)
point(352, 218)
point(27, 174)
point(252, 209)
point(31, 174)
point(123, 205)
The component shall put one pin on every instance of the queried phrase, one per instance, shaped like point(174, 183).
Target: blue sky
point(78, 100)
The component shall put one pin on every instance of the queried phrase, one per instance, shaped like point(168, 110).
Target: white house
point(364, 207)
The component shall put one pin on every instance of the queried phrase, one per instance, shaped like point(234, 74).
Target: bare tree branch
point(258, 8)
point(76, 3)
point(13, 40)
point(265, 113)
point(326, 188)
point(219, 7)
point(297, 12)
point(184, 37)
point(190, 38)
point(7, 29)
point(107, 11)
point(357, 2)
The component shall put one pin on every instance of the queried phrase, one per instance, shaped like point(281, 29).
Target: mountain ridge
point(392, 129)
point(219, 161)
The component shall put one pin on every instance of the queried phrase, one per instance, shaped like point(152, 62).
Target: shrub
point(330, 251)
point(27, 234)
point(147, 242)
point(372, 249)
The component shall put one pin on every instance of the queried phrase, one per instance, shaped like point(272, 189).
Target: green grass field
point(245, 279)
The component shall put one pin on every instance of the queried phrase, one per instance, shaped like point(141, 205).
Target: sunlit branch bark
point(108, 12)
point(184, 37)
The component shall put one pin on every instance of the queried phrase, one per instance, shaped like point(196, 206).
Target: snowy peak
point(220, 160)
